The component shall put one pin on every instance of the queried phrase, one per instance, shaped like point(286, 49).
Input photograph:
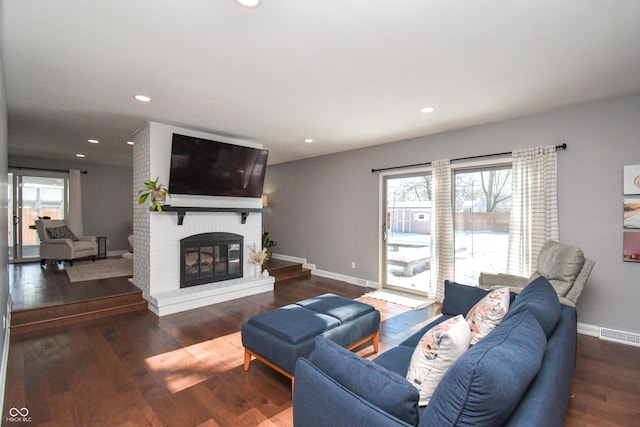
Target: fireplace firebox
point(210, 257)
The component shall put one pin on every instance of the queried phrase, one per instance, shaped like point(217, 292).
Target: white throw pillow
point(488, 313)
point(438, 349)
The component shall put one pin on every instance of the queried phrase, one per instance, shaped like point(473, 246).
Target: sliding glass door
point(481, 204)
point(33, 195)
point(407, 232)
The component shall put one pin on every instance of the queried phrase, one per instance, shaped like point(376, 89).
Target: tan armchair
point(564, 266)
point(60, 244)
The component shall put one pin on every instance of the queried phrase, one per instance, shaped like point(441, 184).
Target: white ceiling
point(347, 73)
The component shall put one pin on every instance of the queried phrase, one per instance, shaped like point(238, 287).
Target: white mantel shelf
point(182, 211)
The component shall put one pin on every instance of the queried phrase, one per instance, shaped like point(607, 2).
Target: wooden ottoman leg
point(247, 359)
point(376, 341)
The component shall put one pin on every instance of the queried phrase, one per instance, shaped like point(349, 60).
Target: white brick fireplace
point(157, 235)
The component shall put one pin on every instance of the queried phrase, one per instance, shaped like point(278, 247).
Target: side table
point(102, 247)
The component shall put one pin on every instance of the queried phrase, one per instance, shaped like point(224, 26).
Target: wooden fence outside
point(476, 221)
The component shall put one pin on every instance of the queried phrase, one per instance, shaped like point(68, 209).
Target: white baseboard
point(328, 274)
point(608, 334)
point(344, 278)
point(298, 260)
point(587, 329)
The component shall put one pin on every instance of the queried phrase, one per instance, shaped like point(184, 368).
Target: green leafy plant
point(156, 191)
point(267, 243)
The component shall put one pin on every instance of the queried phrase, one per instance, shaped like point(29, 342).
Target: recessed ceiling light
point(427, 110)
point(308, 140)
point(93, 141)
point(142, 98)
point(130, 142)
point(249, 3)
point(80, 155)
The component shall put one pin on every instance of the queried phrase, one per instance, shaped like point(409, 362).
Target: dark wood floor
point(186, 369)
point(35, 287)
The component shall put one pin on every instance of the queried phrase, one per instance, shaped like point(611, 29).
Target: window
point(482, 205)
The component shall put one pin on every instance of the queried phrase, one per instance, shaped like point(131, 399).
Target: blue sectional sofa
point(520, 374)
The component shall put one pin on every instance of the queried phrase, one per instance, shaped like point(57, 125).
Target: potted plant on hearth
point(257, 258)
point(156, 191)
point(267, 243)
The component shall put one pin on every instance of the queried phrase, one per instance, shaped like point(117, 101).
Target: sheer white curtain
point(74, 217)
point(534, 208)
point(442, 249)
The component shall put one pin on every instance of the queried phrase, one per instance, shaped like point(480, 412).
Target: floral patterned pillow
point(488, 313)
point(438, 349)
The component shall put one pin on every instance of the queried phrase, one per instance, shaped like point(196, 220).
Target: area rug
point(101, 269)
point(416, 302)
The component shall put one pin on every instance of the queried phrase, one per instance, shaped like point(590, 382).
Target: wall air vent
point(620, 336)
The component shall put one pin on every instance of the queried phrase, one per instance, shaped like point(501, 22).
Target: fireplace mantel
point(182, 211)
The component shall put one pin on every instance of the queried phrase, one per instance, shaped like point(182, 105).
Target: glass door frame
point(16, 207)
point(383, 224)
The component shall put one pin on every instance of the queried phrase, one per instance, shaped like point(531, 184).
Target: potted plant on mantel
point(156, 191)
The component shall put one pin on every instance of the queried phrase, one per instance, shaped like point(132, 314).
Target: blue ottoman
point(279, 337)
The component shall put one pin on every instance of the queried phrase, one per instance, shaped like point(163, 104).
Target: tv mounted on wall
point(212, 168)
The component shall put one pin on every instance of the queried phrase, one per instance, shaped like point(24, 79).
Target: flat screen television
point(212, 168)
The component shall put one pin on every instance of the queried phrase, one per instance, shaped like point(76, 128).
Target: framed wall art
point(631, 180)
point(631, 244)
point(631, 213)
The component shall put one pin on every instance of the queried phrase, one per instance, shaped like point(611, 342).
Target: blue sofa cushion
point(459, 299)
point(414, 339)
point(293, 323)
point(541, 300)
point(484, 386)
point(341, 308)
point(382, 388)
point(396, 359)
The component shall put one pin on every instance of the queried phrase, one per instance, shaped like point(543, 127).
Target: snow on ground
point(476, 252)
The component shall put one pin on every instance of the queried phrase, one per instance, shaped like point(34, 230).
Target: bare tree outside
point(495, 188)
point(414, 189)
point(492, 188)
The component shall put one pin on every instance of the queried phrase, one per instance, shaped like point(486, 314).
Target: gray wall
point(326, 209)
point(107, 208)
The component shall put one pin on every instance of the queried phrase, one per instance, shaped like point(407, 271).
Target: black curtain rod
point(558, 147)
point(43, 169)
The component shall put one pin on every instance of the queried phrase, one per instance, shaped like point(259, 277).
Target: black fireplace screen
point(210, 257)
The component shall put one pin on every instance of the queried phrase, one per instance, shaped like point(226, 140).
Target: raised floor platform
point(43, 299)
point(285, 270)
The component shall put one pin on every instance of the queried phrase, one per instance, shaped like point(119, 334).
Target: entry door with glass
point(407, 232)
point(33, 195)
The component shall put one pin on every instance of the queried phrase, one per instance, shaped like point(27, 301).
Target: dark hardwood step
point(20, 317)
point(27, 322)
point(303, 273)
point(285, 270)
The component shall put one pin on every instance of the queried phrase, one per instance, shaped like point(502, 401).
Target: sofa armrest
point(319, 400)
point(491, 280)
point(546, 401)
